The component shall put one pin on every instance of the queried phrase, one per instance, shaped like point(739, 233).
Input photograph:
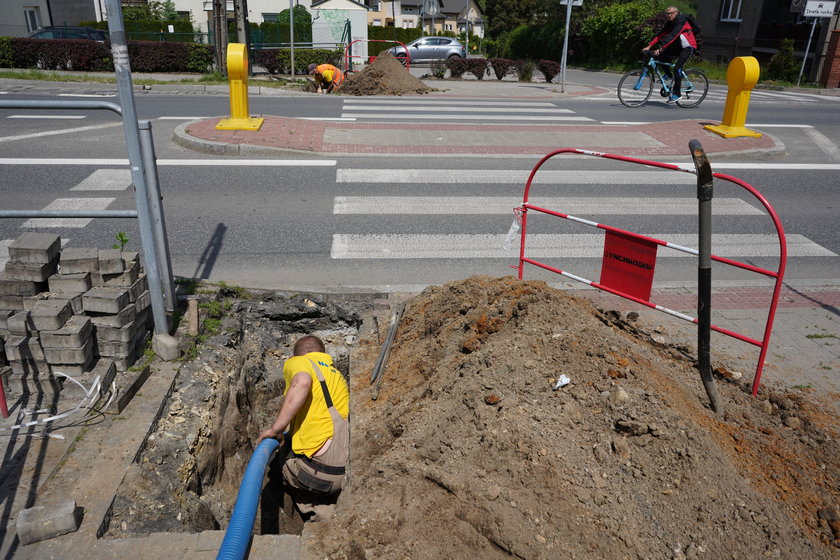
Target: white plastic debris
point(512, 238)
point(562, 381)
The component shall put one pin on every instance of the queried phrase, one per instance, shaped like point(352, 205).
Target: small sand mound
point(385, 76)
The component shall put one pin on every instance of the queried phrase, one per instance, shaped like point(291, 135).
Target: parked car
point(69, 32)
point(425, 49)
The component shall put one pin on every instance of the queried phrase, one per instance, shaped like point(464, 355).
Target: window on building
point(407, 25)
point(377, 22)
point(33, 18)
point(374, 5)
point(270, 17)
point(730, 10)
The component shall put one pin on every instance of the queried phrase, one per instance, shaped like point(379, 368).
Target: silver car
point(425, 49)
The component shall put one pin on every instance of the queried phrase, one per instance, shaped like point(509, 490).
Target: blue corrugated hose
point(238, 534)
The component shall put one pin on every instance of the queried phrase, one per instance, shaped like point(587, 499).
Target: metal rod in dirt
point(704, 272)
point(122, 68)
point(158, 220)
point(379, 367)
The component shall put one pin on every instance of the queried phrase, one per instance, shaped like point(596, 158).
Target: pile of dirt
point(469, 451)
point(385, 76)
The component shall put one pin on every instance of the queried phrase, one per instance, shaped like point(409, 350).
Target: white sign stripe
point(58, 132)
point(519, 176)
point(87, 94)
point(69, 204)
point(105, 180)
point(452, 205)
point(358, 103)
point(55, 117)
point(465, 246)
point(176, 162)
point(483, 117)
point(432, 109)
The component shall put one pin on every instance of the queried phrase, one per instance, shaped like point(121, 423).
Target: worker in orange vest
point(327, 77)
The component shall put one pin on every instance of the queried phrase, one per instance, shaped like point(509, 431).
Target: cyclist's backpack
point(697, 30)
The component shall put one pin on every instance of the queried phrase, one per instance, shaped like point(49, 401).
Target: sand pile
point(385, 76)
point(469, 452)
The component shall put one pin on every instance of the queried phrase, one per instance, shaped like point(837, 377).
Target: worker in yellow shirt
point(327, 77)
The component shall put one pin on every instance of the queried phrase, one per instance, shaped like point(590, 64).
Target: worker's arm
point(295, 397)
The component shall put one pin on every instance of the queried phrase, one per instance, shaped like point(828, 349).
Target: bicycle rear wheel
point(634, 88)
point(695, 86)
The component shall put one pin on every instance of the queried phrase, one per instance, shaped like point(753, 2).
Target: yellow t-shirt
point(312, 425)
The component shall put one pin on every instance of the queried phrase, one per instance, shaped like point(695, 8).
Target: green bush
point(305, 57)
point(615, 33)
point(549, 68)
point(783, 65)
point(501, 67)
point(524, 69)
point(60, 54)
point(438, 68)
point(199, 58)
point(378, 33)
point(154, 30)
point(532, 42)
point(6, 53)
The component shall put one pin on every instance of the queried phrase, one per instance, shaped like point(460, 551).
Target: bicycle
point(636, 86)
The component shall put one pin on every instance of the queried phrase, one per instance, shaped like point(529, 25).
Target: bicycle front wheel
point(634, 88)
point(695, 86)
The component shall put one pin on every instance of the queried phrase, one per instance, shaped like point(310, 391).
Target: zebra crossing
point(459, 110)
point(500, 245)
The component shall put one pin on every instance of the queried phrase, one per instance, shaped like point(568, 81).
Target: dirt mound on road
point(470, 452)
point(385, 76)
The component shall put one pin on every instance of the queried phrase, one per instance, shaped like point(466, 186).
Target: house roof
point(323, 4)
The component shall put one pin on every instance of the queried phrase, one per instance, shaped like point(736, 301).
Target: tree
point(302, 16)
point(503, 16)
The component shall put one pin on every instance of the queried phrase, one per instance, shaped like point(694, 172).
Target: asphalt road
point(331, 225)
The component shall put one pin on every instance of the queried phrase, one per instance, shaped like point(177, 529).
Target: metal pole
point(158, 221)
point(704, 273)
point(565, 46)
point(807, 48)
point(119, 52)
point(292, 35)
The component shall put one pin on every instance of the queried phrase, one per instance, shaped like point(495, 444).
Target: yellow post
point(741, 77)
point(237, 66)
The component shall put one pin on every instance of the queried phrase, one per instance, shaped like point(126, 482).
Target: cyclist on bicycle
point(676, 39)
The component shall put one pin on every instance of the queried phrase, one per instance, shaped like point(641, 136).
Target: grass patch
point(820, 335)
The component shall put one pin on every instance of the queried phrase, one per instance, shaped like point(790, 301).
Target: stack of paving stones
point(65, 311)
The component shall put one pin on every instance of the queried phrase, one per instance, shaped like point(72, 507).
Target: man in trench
point(312, 427)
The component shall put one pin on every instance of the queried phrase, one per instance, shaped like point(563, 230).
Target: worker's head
point(307, 344)
point(671, 12)
point(311, 68)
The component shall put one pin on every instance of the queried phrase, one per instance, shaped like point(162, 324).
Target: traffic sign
point(818, 8)
point(574, 2)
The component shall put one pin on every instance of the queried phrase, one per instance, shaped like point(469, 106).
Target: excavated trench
point(188, 474)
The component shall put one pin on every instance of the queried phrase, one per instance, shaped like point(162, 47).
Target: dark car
point(69, 32)
point(425, 49)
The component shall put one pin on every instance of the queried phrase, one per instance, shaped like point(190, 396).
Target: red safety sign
point(629, 263)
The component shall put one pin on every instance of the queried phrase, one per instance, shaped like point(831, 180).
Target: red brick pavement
point(308, 135)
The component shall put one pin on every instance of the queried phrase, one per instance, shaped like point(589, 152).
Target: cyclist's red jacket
point(671, 32)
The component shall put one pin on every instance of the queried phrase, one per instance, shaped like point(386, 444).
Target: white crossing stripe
point(69, 204)
point(516, 176)
point(52, 117)
point(105, 180)
point(58, 132)
point(468, 246)
point(483, 117)
point(358, 103)
point(179, 162)
point(450, 205)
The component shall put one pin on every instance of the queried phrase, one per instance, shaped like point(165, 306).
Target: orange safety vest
point(331, 74)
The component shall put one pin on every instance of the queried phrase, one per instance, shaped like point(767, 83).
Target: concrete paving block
point(76, 283)
point(79, 259)
point(24, 348)
point(139, 287)
point(30, 302)
point(48, 521)
point(126, 333)
point(75, 301)
point(29, 367)
point(32, 272)
point(43, 383)
point(20, 324)
point(115, 350)
point(129, 384)
point(143, 301)
point(81, 355)
point(11, 303)
point(75, 333)
point(124, 279)
point(129, 256)
point(35, 248)
point(50, 315)
point(121, 319)
point(167, 347)
point(96, 279)
point(12, 287)
point(111, 261)
point(105, 300)
point(5, 314)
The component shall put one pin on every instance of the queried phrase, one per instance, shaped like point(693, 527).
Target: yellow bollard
point(237, 65)
point(741, 77)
